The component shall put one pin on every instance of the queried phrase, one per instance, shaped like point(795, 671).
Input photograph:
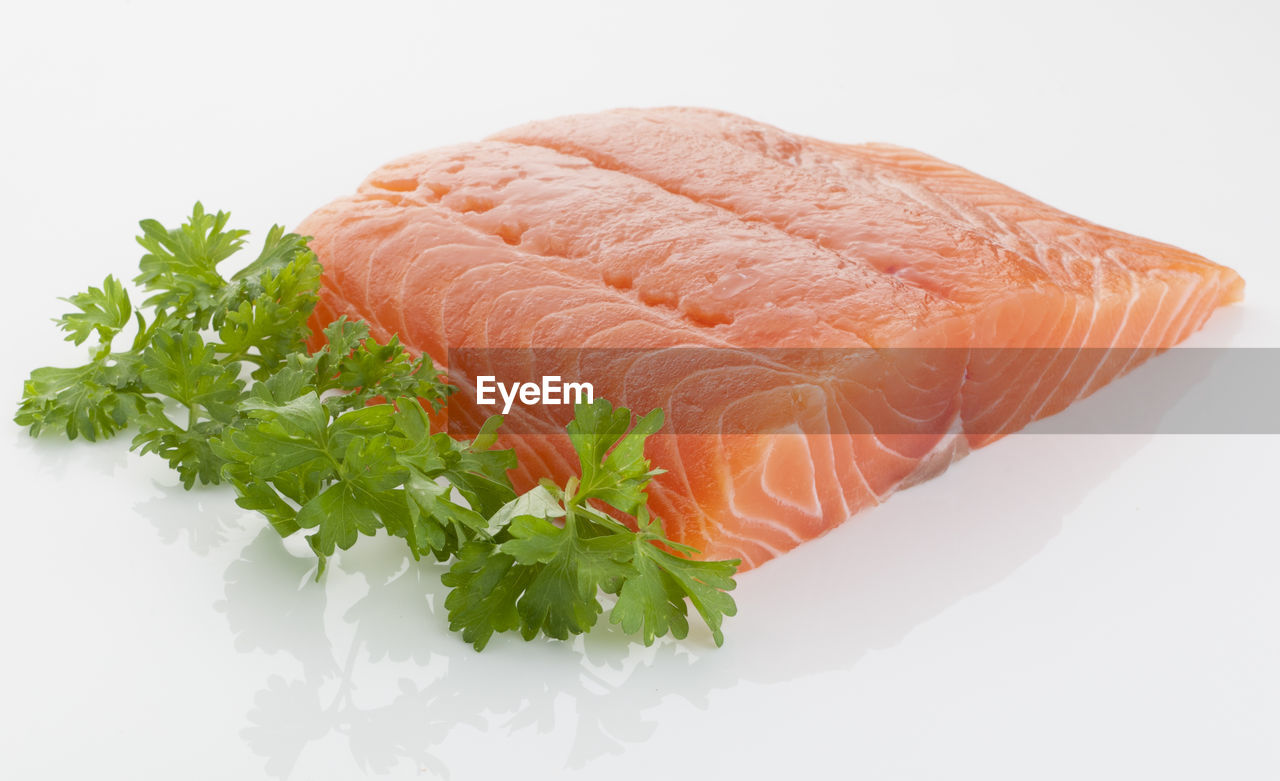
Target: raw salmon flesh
point(695, 228)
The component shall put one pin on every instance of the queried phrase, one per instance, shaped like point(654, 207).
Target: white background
point(1052, 608)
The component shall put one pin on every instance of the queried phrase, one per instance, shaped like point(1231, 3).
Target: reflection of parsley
point(338, 443)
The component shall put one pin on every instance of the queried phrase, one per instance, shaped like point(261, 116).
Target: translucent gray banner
point(982, 393)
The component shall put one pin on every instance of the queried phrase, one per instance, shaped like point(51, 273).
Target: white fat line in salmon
point(549, 392)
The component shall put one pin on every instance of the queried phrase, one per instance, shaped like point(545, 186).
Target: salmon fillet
point(934, 310)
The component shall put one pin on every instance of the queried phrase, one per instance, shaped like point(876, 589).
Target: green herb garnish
point(337, 443)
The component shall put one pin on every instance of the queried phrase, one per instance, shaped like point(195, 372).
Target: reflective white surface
point(1060, 603)
point(1053, 607)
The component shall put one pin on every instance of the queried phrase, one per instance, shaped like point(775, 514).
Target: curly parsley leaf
point(105, 310)
point(653, 600)
point(373, 370)
point(182, 367)
point(266, 322)
point(436, 524)
point(571, 564)
point(180, 267)
point(260, 315)
point(80, 402)
point(474, 469)
point(614, 469)
point(485, 589)
point(352, 472)
point(551, 554)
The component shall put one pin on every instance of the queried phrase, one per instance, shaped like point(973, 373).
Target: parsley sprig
point(338, 443)
point(555, 550)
